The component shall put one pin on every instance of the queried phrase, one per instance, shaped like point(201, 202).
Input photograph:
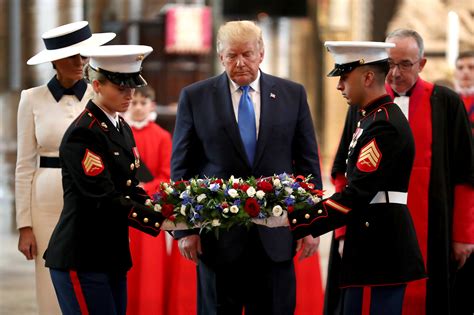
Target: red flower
point(224, 205)
point(172, 218)
point(265, 186)
point(167, 210)
point(299, 178)
point(252, 207)
point(290, 209)
point(244, 187)
point(304, 185)
point(235, 185)
point(217, 181)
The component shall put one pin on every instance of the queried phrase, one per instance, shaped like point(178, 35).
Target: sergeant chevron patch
point(92, 164)
point(369, 157)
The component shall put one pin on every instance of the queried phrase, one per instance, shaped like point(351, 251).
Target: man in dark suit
point(244, 123)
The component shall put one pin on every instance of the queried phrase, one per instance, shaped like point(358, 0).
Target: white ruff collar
point(140, 124)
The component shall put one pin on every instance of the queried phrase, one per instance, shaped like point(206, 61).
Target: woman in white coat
point(44, 113)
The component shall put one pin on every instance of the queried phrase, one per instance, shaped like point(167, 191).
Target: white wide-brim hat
point(68, 40)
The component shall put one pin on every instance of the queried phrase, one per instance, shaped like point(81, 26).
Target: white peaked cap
point(350, 54)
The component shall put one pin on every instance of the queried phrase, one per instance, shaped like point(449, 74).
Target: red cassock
point(309, 288)
point(161, 281)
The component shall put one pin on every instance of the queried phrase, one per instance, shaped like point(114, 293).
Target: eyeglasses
point(402, 66)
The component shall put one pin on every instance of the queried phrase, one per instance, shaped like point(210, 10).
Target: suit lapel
point(268, 99)
point(223, 104)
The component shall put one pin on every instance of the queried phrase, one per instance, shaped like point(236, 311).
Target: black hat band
point(68, 39)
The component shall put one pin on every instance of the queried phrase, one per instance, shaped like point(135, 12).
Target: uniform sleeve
point(27, 160)
point(187, 151)
point(377, 147)
point(84, 158)
point(463, 211)
point(305, 147)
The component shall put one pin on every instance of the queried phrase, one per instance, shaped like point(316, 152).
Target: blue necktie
point(247, 127)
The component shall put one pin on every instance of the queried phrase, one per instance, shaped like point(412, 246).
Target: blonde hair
point(90, 74)
point(239, 31)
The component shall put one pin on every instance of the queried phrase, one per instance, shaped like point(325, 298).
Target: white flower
point(235, 180)
point(234, 209)
point(157, 208)
point(188, 188)
point(260, 194)
point(224, 186)
point(169, 190)
point(214, 186)
point(225, 210)
point(277, 183)
point(315, 199)
point(184, 194)
point(277, 211)
point(233, 193)
point(148, 203)
point(301, 190)
point(215, 222)
point(165, 185)
point(289, 190)
point(251, 191)
point(183, 210)
point(201, 197)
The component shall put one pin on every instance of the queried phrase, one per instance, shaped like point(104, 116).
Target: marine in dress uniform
point(44, 114)
point(88, 254)
point(381, 252)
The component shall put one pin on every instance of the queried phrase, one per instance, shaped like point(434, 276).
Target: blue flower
point(289, 201)
point(198, 208)
point(295, 185)
point(237, 202)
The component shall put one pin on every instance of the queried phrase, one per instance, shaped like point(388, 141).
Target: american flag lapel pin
point(272, 95)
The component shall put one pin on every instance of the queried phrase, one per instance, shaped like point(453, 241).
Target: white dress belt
point(393, 197)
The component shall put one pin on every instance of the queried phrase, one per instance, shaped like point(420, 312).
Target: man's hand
point(190, 247)
point(308, 245)
point(461, 252)
point(27, 243)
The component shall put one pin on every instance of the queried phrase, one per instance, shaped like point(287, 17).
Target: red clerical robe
point(440, 194)
point(160, 282)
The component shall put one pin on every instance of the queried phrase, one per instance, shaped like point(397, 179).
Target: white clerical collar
point(255, 85)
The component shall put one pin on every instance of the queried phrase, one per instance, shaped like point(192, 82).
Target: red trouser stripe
point(366, 301)
point(78, 291)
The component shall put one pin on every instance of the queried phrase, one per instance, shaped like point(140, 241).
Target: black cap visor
point(131, 80)
point(348, 67)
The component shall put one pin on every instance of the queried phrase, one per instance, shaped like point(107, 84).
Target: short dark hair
point(146, 91)
point(381, 70)
point(465, 54)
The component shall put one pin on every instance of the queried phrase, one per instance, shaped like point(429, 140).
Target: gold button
point(363, 112)
point(367, 224)
point(90, 115)
point(127, 197)
point(157, 224)
point(129, 182)
point(132, 167)
point(358, 124)
point(145, 220)
point(320, 211)
point(134, 214)
point(379, 110)
point(294, 221)
point(306, 216)
point(347, 160)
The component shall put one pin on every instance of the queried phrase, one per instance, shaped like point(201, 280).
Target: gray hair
point(238, 31)
point(405, 33)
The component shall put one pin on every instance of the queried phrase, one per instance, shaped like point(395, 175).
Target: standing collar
point(376, 103)
point(78, 89)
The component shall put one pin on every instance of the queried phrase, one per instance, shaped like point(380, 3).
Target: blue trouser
point(91, 293)
point(380, 300)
